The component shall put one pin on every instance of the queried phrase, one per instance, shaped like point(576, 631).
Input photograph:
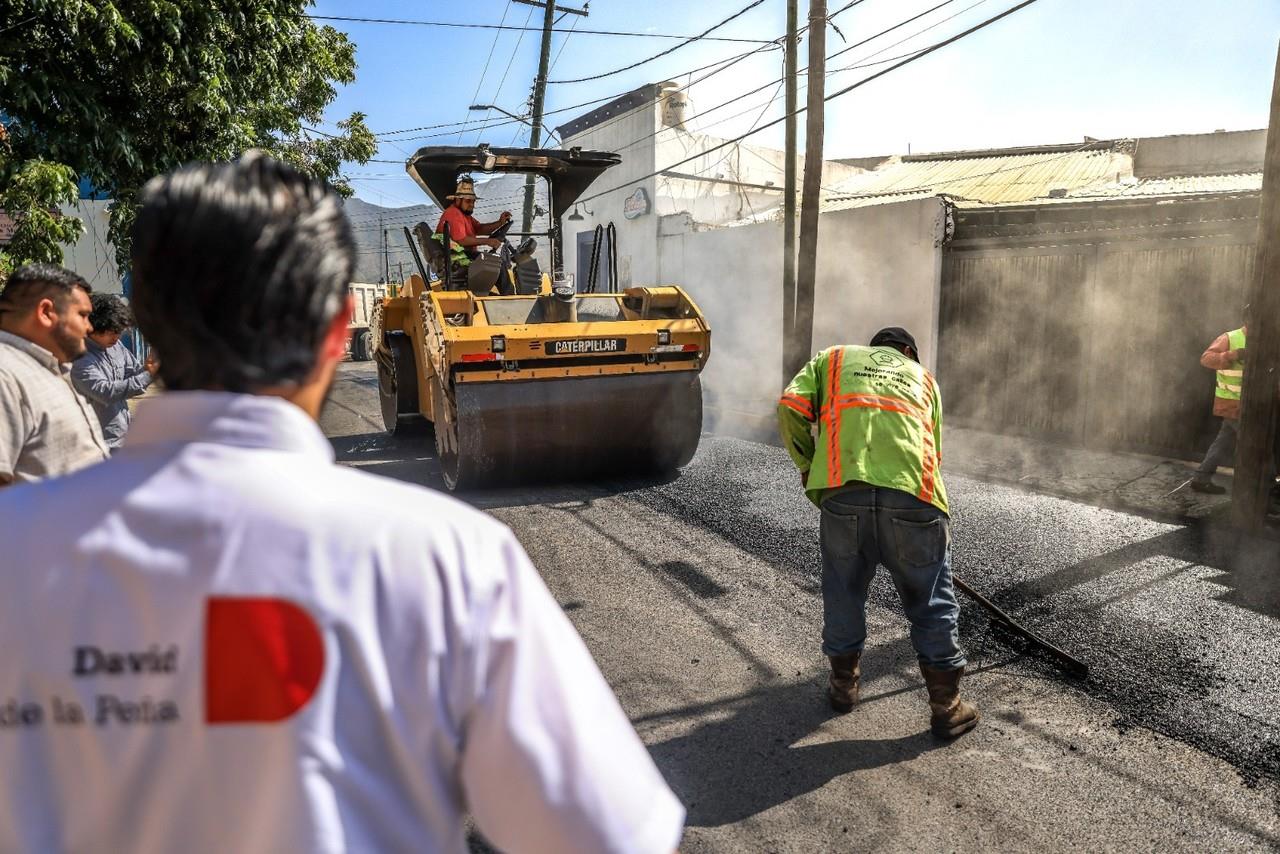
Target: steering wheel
point(500, 233)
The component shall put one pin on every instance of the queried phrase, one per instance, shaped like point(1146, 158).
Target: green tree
point(122, 90)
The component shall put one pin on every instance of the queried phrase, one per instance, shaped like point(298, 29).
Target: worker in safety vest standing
point(874, 472)
point(1226, 356)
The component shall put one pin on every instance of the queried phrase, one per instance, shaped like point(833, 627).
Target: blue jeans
point(865, 527)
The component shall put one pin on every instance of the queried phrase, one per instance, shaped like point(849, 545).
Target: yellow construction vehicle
point(526, 378)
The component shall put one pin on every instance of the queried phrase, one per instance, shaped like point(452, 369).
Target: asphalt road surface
point(699, 598)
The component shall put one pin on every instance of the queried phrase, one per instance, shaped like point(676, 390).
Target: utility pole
point(386, 259)
point(540, 97)
point(807, 265)
point(790, 72)
point(1260, 413)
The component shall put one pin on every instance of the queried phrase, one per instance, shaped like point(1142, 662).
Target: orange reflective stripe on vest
point(799, 405)
point(833, 417)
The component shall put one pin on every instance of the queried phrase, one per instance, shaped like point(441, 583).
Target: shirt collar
point(34, 350)
point(224, 418)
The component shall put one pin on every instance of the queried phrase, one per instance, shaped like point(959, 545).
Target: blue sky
point(1056, 71)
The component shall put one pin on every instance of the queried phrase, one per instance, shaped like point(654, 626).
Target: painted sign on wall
point(636, 205)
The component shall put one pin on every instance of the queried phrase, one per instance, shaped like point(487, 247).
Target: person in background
point(268, 651)
point(874, 471)
point(46, 428)
point(108, 374)
point(1226, 355)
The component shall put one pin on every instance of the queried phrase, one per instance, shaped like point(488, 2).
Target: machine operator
point(465, 231)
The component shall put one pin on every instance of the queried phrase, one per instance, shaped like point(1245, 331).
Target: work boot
point(1207, 486)
point(842, 687)
point(952, 716)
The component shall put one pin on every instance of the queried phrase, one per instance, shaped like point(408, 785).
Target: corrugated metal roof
point(1175, 185)
point(992, 179)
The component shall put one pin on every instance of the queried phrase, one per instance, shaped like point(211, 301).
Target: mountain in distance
point(369, 221)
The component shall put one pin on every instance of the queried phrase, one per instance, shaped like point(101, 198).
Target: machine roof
point(569, 171)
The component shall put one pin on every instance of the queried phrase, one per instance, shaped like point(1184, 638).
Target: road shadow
point(732, 768)
point(410, 456)
point(1249, 567)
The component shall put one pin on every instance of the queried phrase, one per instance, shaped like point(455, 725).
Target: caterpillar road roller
point(523, 376)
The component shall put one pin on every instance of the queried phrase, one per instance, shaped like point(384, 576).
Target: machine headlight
point(664, 336)
point(498, 343)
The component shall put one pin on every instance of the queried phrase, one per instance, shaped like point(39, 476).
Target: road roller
point(523, 376)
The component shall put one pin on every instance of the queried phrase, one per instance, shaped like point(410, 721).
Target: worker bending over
point(874, 470)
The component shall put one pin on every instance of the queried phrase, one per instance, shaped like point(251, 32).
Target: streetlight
point(527, 218)
point(524, 120)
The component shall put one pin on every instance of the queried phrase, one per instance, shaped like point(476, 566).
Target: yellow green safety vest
point(459, 255)
point(1231, 380)
point(878, 419)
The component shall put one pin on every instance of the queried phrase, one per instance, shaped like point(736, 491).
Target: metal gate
point(1089, 330)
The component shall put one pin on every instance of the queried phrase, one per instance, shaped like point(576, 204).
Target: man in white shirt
point(46, 428)
point(219, 640)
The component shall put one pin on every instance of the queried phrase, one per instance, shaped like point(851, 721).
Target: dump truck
point(366, 297)
point(527, 378)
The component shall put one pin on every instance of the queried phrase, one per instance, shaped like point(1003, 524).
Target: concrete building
point(713, 224)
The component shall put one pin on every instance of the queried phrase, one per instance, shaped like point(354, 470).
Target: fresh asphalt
point(699, 598)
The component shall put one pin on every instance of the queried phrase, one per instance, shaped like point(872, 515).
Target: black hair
point(110, 314)
point(31, 283)
point(238, 269)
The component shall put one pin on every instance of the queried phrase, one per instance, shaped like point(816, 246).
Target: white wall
point(637, 258)
point(715, 202)
point(877, 266)
point(92, 256)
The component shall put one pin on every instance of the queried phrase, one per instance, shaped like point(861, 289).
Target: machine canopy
point(569, 171)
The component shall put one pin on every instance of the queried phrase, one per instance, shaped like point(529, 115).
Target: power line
point(592, 102)
point(472, 26)
point(731, 60)
point(506, 71)
point(492, 47)
point(845, 50)
point(846, 90)
point(690, 40)
point(725, 64)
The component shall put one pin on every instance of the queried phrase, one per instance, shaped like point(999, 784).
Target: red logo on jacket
point(263, 660)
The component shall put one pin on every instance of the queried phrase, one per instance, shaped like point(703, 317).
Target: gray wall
point(877, 266)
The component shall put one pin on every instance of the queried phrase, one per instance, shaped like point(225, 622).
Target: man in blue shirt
point(108, 374)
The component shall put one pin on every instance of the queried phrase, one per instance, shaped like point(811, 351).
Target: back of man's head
point(238, 271)
point(897, 338)
point(31, 283)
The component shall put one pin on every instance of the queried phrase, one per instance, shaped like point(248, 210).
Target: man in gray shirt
point(46, 428)
point(108, 374)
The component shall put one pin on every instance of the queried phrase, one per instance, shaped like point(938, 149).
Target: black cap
point(894, 335)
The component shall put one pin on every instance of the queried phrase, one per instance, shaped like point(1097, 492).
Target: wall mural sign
point(636, 205)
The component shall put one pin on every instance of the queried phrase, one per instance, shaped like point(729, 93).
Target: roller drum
point(574, 428)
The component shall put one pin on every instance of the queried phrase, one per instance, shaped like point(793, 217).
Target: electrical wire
point(510, 61)
point(484, 73)
point(670, 50)
point(592, 102)
point(725, 63)
point(733, 61)
point(846, 90)
point(473, 26)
